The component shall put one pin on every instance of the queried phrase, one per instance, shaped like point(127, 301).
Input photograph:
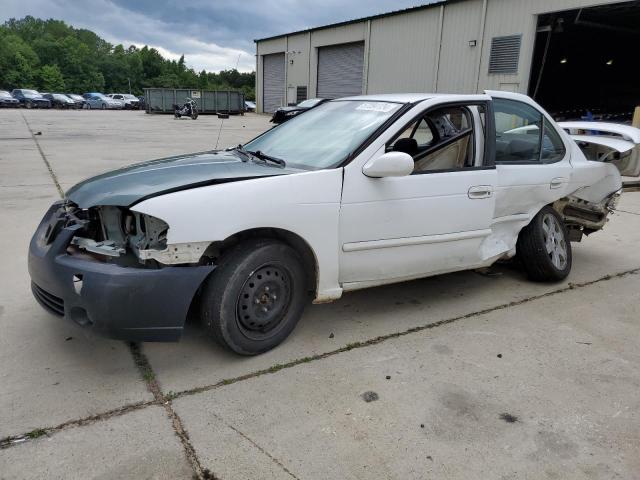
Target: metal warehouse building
point(568, 54)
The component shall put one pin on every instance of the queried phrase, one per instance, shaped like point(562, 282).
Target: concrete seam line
point(44, 157)
point(627, 212)
point(12, 440)
point(252, 442)
point(143, 365)
point(375, 341)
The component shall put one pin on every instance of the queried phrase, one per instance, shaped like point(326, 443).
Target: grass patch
point(37, 433)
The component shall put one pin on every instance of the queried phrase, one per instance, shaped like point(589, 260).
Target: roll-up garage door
point(340, 70)
point(273, 81)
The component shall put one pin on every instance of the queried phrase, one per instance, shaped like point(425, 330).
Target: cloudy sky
point(212, 34)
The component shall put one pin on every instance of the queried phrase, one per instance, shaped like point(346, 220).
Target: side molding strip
point(408, 241)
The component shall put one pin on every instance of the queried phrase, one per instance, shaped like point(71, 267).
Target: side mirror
point(390, 164)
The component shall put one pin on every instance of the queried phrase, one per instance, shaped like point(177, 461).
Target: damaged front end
point(101, 268)
point(125, 237)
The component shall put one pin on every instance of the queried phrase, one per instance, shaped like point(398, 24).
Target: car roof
point(393, 97)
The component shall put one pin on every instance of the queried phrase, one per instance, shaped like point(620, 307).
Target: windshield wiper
point(245, 154)
point(267, 158)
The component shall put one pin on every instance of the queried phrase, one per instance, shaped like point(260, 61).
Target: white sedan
point(355, 193)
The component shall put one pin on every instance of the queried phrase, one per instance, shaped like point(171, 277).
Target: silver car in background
point(101, 101)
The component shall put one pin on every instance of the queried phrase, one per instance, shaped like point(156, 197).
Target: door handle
point(557, 182)
point(480, 191)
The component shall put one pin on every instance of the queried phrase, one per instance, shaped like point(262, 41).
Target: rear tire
point(104, 106)
point(544, 248)
point(255, 297)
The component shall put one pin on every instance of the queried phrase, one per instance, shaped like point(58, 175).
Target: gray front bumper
point(134, 304)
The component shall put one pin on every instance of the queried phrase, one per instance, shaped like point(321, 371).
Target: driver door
point(432, 221)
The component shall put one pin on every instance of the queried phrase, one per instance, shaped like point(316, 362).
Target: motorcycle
point(189, 109)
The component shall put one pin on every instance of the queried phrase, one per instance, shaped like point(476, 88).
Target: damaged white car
point(357, 192)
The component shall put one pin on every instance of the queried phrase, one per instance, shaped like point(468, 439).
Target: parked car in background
point(77, 99)
point(6, 100)
point(30, 98)
point(283, 114)
point(101, 101)
point(249, 106)
point(59, 100)
point(130, 101)
point(360, 192)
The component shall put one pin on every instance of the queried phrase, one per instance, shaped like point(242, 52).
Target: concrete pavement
point(567, 371)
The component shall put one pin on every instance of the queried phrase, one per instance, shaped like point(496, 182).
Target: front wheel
point(104, 106)
point(544, 248)
point(194, 115)
point(255, 297)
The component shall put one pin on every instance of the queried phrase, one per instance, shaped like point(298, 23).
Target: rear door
point(532, 161)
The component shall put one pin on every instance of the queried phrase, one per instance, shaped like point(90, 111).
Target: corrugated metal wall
point(458, 72)
point(402, 52)
point(425, 50)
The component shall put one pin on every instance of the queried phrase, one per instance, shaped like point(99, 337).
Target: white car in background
point(355, 193)
point(130, 102)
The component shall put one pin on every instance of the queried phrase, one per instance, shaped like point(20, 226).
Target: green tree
point(50, 79)
point(51, 55)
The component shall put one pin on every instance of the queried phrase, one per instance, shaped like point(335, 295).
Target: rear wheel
point(544, 248)
point(255, 297)
point(28, 105)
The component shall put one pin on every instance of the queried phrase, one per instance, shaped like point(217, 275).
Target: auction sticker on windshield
point(376, 107)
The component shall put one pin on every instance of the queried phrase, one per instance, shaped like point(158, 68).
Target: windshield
point(325, 136)
point(30, 93)
point(130, 97)
point(4, 94)
point(309, 103)
point(59, 96)
point(100, 96)
point(74, 96)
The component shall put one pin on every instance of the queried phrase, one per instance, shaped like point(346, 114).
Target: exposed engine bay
point(119, 235)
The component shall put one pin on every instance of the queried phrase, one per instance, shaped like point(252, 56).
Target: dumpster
point(162, 100)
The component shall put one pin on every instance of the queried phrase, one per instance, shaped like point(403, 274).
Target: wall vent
point(505, 54)
point(301, 94)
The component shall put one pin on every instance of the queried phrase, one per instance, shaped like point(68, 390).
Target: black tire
point(28, 104)
point(194, 116)
point(255, 297)
point(544, 248)
point(104, 106)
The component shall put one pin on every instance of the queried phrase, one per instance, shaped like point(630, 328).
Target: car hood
point(133, 184)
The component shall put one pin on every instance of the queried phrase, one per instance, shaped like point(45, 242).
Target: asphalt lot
point(478, 375)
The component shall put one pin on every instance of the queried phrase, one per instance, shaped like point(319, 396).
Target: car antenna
point(219, 130)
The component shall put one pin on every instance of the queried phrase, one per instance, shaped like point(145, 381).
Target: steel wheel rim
point(263, 301)
point(554, 241)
